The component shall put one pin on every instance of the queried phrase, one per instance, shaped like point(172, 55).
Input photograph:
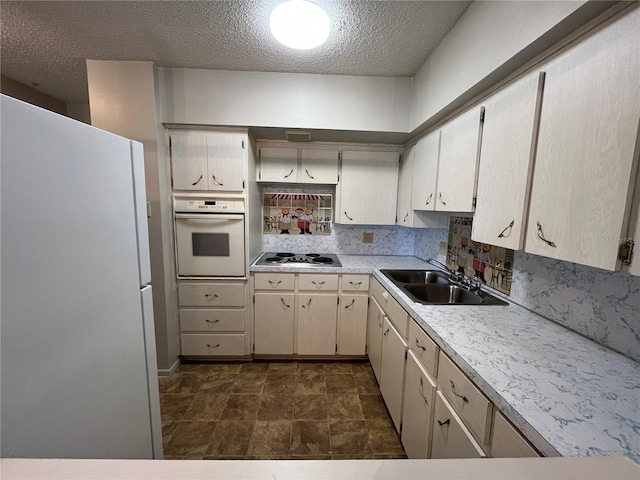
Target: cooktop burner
point(299, 259)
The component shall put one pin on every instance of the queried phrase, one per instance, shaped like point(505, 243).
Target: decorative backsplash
point(297, 213)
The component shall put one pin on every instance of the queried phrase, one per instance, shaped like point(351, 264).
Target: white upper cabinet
point(368, 187)
point(425, 172)
point(458, 160)
point(406, 216)
point(278, 164)
point(587, 147)
point(318, 166)
point(506, 165)
point(286, 163)
point(208, 161)
point(633, 266)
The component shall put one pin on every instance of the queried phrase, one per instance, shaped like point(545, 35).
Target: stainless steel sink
point(417, 276)
point(434, 287)
point(434, 294)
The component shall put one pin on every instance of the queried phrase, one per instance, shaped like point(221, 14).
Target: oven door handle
point(210, 216)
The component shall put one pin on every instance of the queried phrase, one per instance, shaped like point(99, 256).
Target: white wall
point(487, 35)
point(293, 100)
point(123, 100)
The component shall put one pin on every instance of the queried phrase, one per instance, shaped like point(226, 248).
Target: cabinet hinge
point(482, 115)
point(243, 144)
point(368, 300)
point(405, 355)
point(254, 299)
point(475, 200)
point(243, 184)
point(336, 348)
point(396, 218)
point(259, 174)
point(625, 251)
point(338, 299)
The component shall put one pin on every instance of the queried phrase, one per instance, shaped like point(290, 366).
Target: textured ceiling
point(45, 44)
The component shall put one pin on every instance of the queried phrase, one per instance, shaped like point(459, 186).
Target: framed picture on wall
point(297, 213)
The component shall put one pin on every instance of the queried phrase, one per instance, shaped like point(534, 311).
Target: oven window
point(210, 244)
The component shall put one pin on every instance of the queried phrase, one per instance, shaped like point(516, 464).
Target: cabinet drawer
point(212, 295)
point(212, 345)
point(274, 281)
point(507, 441)
point(394, 311)
point(355, 283)
point(451, 439)
point(212, 320)
point(317, 282)
point(466, 399)
point(425, 349)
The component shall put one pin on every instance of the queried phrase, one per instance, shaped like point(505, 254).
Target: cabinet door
point(404, 214)
point(273, 328)
point(451, 439)
point(425, 172)
point(375, 322)
point(368, 188)
point(318, 166)
point(278, 164)
point(417, 416)
point(189, 161)
point(225, 155)
point(392, 365)
point(506, 166)
point(317, 320)
point(458, 160)
point(585, 156)
point(352, 331)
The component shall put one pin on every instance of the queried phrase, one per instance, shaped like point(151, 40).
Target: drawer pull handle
point(308, 305)
point(405, 217)
point(289, 174)
point(318, 284)
point(196, 182)
point(215, 321)
point(347, 215)
point(310, 176)
point(441, 200)
point(274, 284)
point(421, 393)
point(386, 332)
point(446, 422)
point(213, 346)
point(421, 348)
point(353, 300)
point(429, 199)
point(453, 389)
point(541, 236)
point(508, 227)
point(356, 284)
point(284, 303)
point(211, 295)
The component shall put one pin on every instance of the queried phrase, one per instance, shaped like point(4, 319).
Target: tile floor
point(275, 410)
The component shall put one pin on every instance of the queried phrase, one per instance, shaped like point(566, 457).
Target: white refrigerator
point(78, 356)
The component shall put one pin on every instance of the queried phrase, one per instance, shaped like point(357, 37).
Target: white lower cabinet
point(352, 324)
point(274, 321)
point(451, 439)
point(392, 366)
point(317, 320)
point(213, 319)
point(417, 415)
point(375, 322)
point(507, 441)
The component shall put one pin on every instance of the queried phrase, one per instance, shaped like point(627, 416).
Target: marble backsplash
point(346, 239)
point(603, 306)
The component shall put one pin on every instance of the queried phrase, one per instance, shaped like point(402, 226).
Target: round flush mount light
point(299, 24)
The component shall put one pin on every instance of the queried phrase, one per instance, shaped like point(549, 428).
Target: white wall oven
point(209, 237)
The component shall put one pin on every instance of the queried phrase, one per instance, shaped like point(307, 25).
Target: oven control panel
point(209, 205)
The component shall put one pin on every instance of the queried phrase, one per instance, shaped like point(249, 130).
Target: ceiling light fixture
point(300, 24)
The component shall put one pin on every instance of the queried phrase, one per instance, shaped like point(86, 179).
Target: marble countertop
point(568, 395)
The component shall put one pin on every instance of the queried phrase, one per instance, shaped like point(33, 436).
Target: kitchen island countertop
point(567, 394)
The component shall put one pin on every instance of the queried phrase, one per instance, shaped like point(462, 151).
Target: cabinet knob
point(453, 390)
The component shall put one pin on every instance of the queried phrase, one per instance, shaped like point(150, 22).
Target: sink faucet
point(435, 262)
